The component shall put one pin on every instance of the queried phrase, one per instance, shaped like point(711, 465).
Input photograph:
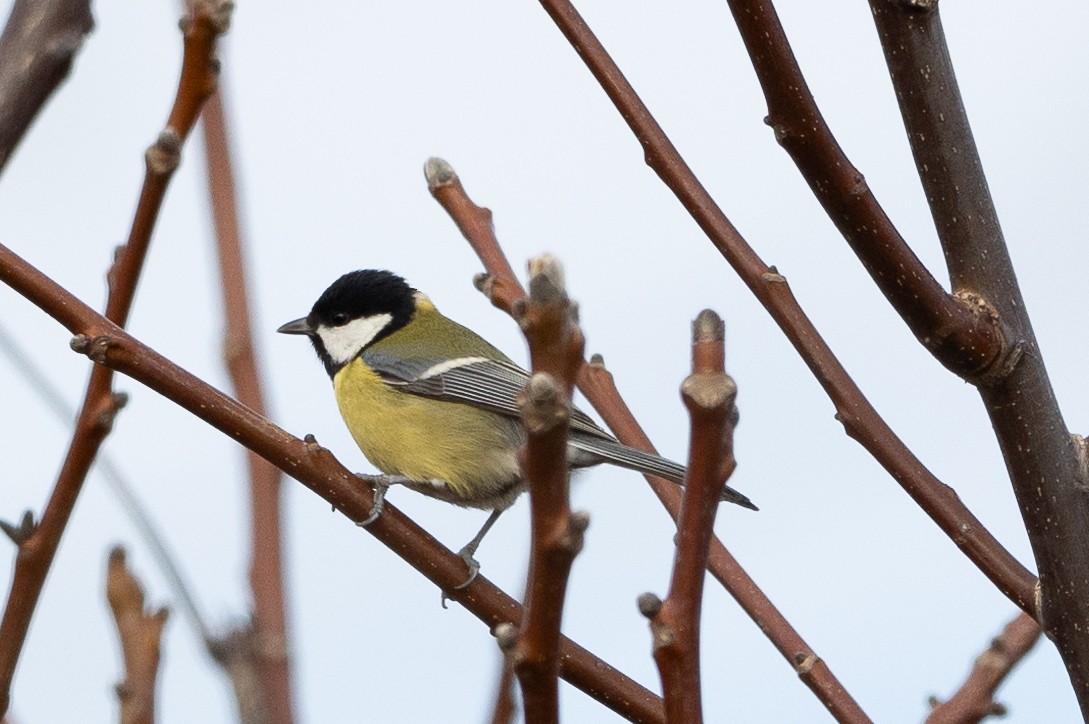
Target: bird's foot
point(465, 554)
point(380, 484)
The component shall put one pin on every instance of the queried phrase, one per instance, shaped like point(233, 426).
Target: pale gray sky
point(335, 107)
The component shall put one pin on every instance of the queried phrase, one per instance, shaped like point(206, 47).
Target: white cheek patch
point(343, 343)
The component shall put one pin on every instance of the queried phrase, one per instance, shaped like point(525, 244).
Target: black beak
point(299, 326)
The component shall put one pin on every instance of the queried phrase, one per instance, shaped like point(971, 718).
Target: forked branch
point(1045, 462)
point(960, 333)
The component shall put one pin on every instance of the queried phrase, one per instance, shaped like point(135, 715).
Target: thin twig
point(140, 633)
point(36, 551)
point(974, 701)
point(1046, 466)
point(548, 320)
point(40, 41)
point(709, 395)
point(314, 466)
point(854, 411)
point(269, 620)
point(596, 383)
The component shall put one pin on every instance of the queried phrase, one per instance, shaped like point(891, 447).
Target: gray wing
point(486, 383)
point(495, 385)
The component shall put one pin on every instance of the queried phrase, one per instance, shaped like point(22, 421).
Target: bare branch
point(140, 633)
point(503, 711)
point(974, 701)
point(858, 416)
point(100, 403)
point(269, 619)
point(1042, 457)
point(596, 384)
point(111, 473)
point(39, 43)
point(306, 461)
point(709, 395)
point(961, 335)
point(548, 320)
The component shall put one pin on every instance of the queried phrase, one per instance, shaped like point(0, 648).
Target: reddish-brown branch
point(269, 618)
point(597, 385)
point(306, 461)
point(858, 416)
point(503, 711)
point(40, 40)
point(709, 396)
point(100, 404)
point(974, 701)
point(140, 633)
point(1043, 460)
point(960, 334)
point(547, 318)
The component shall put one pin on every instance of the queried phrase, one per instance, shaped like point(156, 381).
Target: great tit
point(433, 405)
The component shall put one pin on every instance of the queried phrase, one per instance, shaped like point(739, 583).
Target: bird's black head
point(355, 311)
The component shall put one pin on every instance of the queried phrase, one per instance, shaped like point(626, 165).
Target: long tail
point(643, 462)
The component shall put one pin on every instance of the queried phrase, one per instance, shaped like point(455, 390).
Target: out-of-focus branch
point(548, 320)
point(306, 461)
point(962, 335)
point(269, 620)
point(596, 384)
point(111, 473)
point(709, 395)
point(140, 633)
point(1046, 467)
point(208, 20)
point(40, 40)
point(974, 701)
point(503, 710)
point(858, 416)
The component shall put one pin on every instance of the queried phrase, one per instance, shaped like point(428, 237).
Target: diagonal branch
point(974, 701)
point(860, 419)
point(269, 621)
point(39, 43)
point(36, 552)
point(596, 384)
point(1047, 465)
point(306, 461)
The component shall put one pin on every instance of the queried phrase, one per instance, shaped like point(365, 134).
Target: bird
point(434, 406)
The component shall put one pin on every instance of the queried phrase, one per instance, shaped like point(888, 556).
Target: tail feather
point(644, 462)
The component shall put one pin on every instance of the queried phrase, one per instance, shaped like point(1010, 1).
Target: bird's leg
point(467, 551)
point(380, 483)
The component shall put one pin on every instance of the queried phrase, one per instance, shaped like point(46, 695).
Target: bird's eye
point(339, 319)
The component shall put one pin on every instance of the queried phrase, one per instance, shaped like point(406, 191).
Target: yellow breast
point(427, 440)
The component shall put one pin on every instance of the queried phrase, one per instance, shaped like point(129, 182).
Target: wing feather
point(486, 383)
